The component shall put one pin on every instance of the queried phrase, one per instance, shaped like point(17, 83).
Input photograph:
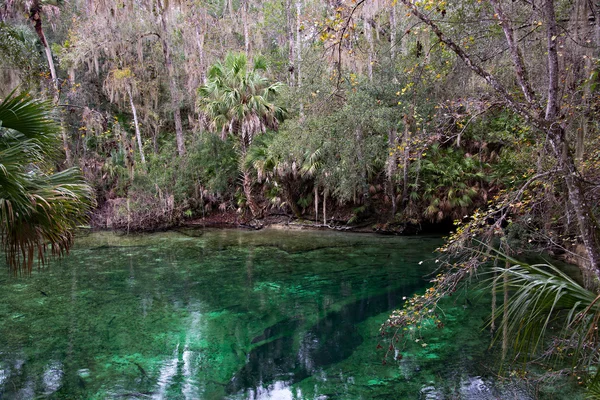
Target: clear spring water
point(239, 315)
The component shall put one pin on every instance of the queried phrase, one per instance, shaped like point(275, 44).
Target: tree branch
point(515, 53)
point(489, 78)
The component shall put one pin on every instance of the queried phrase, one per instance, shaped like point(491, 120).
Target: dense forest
point(398, 116)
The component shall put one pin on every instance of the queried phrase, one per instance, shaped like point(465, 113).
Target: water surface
point(238, 315)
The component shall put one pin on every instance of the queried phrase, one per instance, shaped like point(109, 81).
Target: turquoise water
point(238, 315)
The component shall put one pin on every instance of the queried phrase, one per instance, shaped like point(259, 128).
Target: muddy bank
point(119, 216)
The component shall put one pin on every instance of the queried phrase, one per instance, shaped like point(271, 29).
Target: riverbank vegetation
point(394, 115)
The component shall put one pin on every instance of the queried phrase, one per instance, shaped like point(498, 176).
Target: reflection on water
point(332, 339)
point(232, 314)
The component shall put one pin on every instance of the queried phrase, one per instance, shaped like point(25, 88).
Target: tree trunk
point(65, 140)
point(369, 37)
point(394, 31)
point(292, 47)
point(515, 53)
point(560, 147)
point(244, 7)
point(406, 157)
point(583, 213)
point(138, 135)
point(580, 139)
point(325, 206)
point(316, 203)
point(36, 18)
point(172, 85)
point(298, 43)
point(358, 137)
point(289, 197)
point(391, 168)
point(247, 184)
point(200, 43)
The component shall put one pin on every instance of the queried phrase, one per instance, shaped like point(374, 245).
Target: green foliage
point(238, 99)
point(280, 173)
point(343, 150)
point(204, 178)
point(19, 52)
point(450, 182)
point(117, 174)
point(38, 207)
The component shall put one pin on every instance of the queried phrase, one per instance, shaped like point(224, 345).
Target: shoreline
point(288, 222)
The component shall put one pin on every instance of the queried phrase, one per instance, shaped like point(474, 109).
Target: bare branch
point(515, 53)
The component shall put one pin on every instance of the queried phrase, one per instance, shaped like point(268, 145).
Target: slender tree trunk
point(172, 86)
point(406, 159)
point(200, 43)
point(244, 7)
point(515, 53)
point(155, 138)
point(358, 137)
point(392, 168)
point(65, 140)
point(596, 12)
point(369, 37)
point(394, 31)
point(553, 69)
point(138, 135)
point(247, 184)
point(291, 44)
point(51, 64)
point(298, 44)
point(580, 139)
point(36, 17)
point(316, 203)
point(325, 206)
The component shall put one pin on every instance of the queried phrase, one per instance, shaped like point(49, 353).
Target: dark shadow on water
point(280, 328)
point(331, 340)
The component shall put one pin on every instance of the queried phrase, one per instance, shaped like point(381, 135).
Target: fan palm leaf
point(238, 100)
point(38, 208)
point(544, 297)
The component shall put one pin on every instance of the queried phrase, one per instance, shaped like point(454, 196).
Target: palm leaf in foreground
point(544, 298)
point(38, 209)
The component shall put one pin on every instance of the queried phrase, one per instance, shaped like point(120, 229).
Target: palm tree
point(238, 101)
point(39, 208)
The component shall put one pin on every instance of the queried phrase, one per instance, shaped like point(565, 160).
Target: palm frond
point(544, 297)
point(30, 117)
point(38, 209)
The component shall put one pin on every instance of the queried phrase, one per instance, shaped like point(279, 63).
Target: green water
point(239, 315)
